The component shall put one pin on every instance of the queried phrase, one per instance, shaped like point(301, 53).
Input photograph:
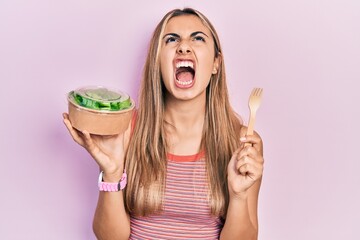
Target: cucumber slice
point(102, 94)
point(101, 99)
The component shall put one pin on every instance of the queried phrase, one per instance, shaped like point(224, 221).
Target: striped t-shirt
point(186, 213)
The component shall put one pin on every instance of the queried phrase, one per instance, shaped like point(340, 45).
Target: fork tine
point(254, 103)
point(253, 92)
point(257, 92)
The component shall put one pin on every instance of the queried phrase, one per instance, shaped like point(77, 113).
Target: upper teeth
point(184, 64)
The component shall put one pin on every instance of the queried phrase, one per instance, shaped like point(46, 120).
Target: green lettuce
point(102, 99)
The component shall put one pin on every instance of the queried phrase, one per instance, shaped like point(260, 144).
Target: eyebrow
point(198, 32)
point(191, 35)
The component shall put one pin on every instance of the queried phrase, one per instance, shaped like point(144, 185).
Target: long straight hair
point(146, 155)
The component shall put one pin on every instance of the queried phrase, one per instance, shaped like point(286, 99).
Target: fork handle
point(250, 129)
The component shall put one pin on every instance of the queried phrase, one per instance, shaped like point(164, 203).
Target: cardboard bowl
point(99, 122)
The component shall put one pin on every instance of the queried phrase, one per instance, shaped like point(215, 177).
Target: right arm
point(111, 221)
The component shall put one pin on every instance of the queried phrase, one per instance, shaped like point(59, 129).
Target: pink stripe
point(186, 212)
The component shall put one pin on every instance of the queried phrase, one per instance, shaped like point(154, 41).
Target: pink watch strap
point(112, 187)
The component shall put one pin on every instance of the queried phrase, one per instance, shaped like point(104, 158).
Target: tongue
point(184, 76)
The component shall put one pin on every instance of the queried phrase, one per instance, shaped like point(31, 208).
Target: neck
point(185, 114)
point(184, 122)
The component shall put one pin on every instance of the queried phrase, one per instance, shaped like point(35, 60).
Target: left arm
point(244, 179)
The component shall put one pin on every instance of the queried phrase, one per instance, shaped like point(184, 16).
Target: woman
point(190, 175)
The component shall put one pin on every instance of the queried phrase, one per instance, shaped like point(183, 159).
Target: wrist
point(112, 176)
point(241, 196)
point(112, 172)
point(113, 186)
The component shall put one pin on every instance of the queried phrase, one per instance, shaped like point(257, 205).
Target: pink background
point(304, 53)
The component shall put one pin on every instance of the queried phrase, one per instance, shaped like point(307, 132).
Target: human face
point(187, 58)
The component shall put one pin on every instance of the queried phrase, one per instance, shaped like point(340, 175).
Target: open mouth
point(185, 73)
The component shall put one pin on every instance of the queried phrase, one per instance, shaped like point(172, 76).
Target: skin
point(192, 41)
point(108, 152)
point(185, 111)
point(185, 38)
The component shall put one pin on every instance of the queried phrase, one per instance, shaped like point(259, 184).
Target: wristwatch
point(112, 187)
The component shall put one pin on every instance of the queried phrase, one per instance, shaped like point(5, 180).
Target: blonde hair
point(146, 155)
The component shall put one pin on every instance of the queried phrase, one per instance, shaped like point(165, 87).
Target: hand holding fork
point(246, 165)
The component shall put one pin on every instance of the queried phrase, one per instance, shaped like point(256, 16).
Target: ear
point(216, 64)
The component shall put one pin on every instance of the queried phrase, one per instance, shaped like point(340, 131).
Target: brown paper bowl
point(99, 122)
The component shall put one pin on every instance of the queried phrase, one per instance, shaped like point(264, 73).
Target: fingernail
point(243, 139)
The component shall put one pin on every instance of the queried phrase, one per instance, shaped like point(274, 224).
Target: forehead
point(186, 24)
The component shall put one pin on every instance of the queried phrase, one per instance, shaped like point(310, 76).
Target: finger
point(247, 166)
point(249, 160)
point(252, 140)
point(73, 132)
point(92, 148)
point(252, 153)
point(252, 171)
point(65, 115)
point(89, 143)
point(235, 157)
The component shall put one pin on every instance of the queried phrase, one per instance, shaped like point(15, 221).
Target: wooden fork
point(254, 104)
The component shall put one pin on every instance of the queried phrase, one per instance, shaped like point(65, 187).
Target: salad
point(101, 98)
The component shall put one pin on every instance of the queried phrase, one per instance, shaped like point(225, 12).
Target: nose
point(183, 48)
